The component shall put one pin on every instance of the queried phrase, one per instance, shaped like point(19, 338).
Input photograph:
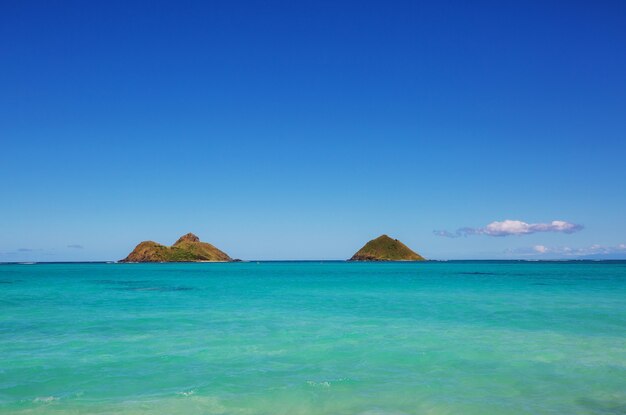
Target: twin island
point(189, 248)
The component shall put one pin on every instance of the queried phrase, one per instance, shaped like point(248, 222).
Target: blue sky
point(284, 130)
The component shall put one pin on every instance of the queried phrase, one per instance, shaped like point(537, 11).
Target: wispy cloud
point(513, 227)
point(75, 246)
point(23, 251)
point(566, 251)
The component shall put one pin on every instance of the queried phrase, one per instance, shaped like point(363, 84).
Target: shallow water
point(313, 338)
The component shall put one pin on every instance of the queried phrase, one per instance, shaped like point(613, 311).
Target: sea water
point(313, 338)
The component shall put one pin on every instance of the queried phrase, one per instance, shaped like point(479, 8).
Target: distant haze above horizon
point(301, 130)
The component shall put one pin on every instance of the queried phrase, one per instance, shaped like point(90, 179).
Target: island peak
point(189, 237)
point(385, 248)
point(188, 248)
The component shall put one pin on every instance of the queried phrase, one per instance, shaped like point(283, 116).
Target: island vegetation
point(385, 248)
point(188, 248)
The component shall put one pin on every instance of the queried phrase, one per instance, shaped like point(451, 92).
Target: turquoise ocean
point(303, 338)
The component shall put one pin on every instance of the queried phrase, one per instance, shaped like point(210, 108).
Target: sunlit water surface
point(313, 338)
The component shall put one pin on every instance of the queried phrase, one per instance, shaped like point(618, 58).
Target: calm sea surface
point(313, 338)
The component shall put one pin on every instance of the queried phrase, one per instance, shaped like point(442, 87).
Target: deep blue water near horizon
point(475, 337)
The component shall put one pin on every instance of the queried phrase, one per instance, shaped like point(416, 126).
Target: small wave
point(45, 399)
point(141, 285)
point(186, 393)
point(324, 384)
point(124, 282)
point(157, 288)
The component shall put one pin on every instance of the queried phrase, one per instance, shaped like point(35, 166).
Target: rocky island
point(385, 248)
point(188, 248)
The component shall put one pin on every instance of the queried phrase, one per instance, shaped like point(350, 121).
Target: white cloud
point(513, 227)
point(507, 227)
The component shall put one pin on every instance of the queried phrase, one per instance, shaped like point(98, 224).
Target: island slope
point(188, 248)
point(385, 248)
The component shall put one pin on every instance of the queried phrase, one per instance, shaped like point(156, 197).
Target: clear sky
point(284, 130)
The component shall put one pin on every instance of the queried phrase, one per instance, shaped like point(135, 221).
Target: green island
point(385, 248)
point(188, 248)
